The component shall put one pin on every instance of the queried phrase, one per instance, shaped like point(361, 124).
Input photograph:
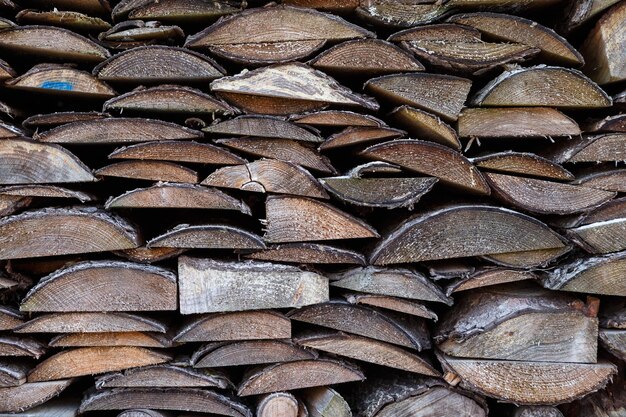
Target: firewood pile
point(324, 208)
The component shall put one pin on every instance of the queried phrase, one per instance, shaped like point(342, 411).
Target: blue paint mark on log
point(57, 85)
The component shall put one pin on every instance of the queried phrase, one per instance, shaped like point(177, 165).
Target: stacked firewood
point(317, 208)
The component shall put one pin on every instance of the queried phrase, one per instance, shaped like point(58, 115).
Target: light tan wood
point(45, 191)
point(75, 21)
point(250, 352)
point(398, 304)
point(209, 236)
point(178, 151)
point(150, 171)
point(423, 125)
point(89, 322)
point(277, 404)
point(140, 339)
point(594, 275)
point(10, 318)
point(313, 253)
point(30, 394)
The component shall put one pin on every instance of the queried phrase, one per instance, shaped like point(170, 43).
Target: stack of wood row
point(317, 208)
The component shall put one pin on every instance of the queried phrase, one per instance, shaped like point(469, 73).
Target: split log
point(374, 168)
point(29, 162)
point(144, 412)
point(530, 383)
point(509, 28)
point(610, 147)
point(13, 373)
point(614, 209)
point(579, 12)
point(432, 159)
point(94, 360)
point(515, 122)
point(370, 57)
point(184, 11)
point(207, 286)
point(613, 315)
point(6, 72)
point(528, 259)
point(163, 376)
point(367, 350)
point(488, 276)
point(264, 127)
point(337, 118)
point(352, 136)
point(426, 126)
point(144, 65)
point(335, 6)
point(608, 180)
point(368, 322)
point(614, 341)
point(178, 151)
point(9, 131)
point(461, 231)
point(297, 375)
point(29, 395)
point(76, 21)
point(63, 231)
point(52, 408)
point(103, 286)
point(97, 7)
point(601, 237)
point(251, 352)
point(278, 404)
point(443, 95)
point(166, 195)
point(178, 399)
point(149, 255)
point(10, 204)
point(521, 163)
point(21, 346)
point(91, 323)
point(568, 89)
point(325, 402)
point(150, 171)
point(10, 318)
point(312, 253)
point(168, 99)
point(267, 176)
point(207, 236)
point(136, 33)
point(300, 219)
point(273, 34)
point(278, 90)
point(536, 411)
point(397, 282)
point(45, 191)
point(117, 130)
point(49, 120)
point(139, 339)
point(398, 304)
point(610, 124)
point(67, 45)
point(240, 325)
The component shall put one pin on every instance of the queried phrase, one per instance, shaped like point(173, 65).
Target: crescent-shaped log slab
point(601, 236)
point(325, 402)
point(580, 12)
point(10, 318)
point(90, 322)
point(150, 171)
point(178, 151)
point(426, 126)
point(21, 346)
point(522, 163)
point(610, 147)
point(249, 352)
point(609, 180)
point(45, 191)
point(137, 33)
point(64, 231)
point(149, 255)
point(207, 236)
point(29, 395)
point(49, 120)
point(488, 276)
point(264, 127)
point(314, 253)
point(140, 339)
point(528, 259)
point(398, 304)
point(239, 325)
point(163, 376)
point(337, 118)
point(354, 136)
point(462, 231)
point(610, 124)
point(13, 372)
point(103, 286)
point(71, 20)
point(184, 11)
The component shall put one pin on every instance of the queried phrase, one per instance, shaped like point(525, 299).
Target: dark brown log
point(579, 12)
point(489, 276)
point(184, 11)
point(609, 180)
point(264, 127)
point(610, 147)
point(136, 33)
point(21, 346)
point(149, 255)
point(10, 204)
point(207, 236)
point(59, 118)
point(91, 323)
point(139, 339)
point(13, 372)
point(312, 253)
point(45, 191)
point(30, 394)
point(76, 21)
point(10, 318)
point(602, 236)
point(251, 352)
point(386, 302)
point(278, 404)
point(352, 136)
point(150, 171)
point(336, 6)
point(374, 168)
point(427, 126)
point(610, 124)
point(337, 118)
point(614, 209)
point(163, 376)
point(325, 402)
point(527, 164)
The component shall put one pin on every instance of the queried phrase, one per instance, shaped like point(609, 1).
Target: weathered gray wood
point(527, 164)
point(210, 236)
point(10, 318)
point(91, 323)
point(52, 408)
point(264, 127)
point(250, 352)
point(17, 345)
point(325, 402)
point(13, 372)
point(601, 236)
point(278, 404)
point(488, 276)
point(536, 411)
point(312, 253)
point(28, 395)
point(163, 376)
point(398, 304)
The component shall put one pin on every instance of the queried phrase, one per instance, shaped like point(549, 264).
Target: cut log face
point(91, 323)
point(609, 180)
point(166, 195)
point(398, 304)
point(367, 350)
point(45, 191)
point(144, 65)
point(241, 325)
point(487, 277)
point(601, 237)
point(433, 159)
point(207, 285)
point(536, 411)
point(13, 372)
point(610, 124)
point(117, 130)
point(28, 395)
point(6, 72)
point(371, 57)
point(315, 220)
point(104, 286)
point(515, 122)
point(79, 22)
point(614, 209)
point(427, 126)
point(187, 11)
point(264, 127)
point(149, 255)
point(60, 118)
point(597, 148)
point(614, 341)
point(337, 118)
point(63, 231)
point(363, 321)
point(29, 162)
point(461, 231)
point(278, 404)
point(528, 259)
point(542, 86)
point(144, 412)
point(133, 34)
point(178, 151)
point(179, 399)
point(268, 176)
point(313, 253)
point(325, 402)
point(9, 131)
point(251, 352)
point(163, 376)
point(604, 46)
point(139, 339)
point(297, 375)
point(11, 204)
point(354, 136)
point(521, 163)
point(21, 346)
point(67, 45)
point(150, 171)
point(274, 34)
point(582, 11)
point(211, 236)
point(374, 168)
point(94, 360)
point(509, 28)
point(278, 89)
point(10, 318)
point(530, 383)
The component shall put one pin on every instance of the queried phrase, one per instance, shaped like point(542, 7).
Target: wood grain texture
point(610, 147)
point(522, 163)
point(45, 191)
point(313, 253)
point(249, 352)
point(277, 404)
point(424, 125)
point(10, 318)
point(150, 171)
point(264, 127)
point(139, 339)
point(600, 237)
point(88, 322)
point(17, 345)
point(343, 118)
point(48, 120)
point(163, 376)
point(354, 136)
point(71, 20)
point(178, 151)
point(398, 304)
point(325, 402)
point(51, 408)
point(30, 394)
point(489, 276)
point(209, 236)
point(61, 80)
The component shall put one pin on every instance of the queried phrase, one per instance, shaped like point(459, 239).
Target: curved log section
point(263, 127)
point(314, 253)
point(28, 395)
point(91, 323)
point(210, 236)
point(178, 151)
point(522, 163)
point(427, 126)
point(249, 352)
point(163, 376)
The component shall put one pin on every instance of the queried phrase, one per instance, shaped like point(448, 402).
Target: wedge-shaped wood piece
point(240, 325)
point(579, 12)
point(297, 375)
point(427, 126)
point(509, 28)
point(64, 231)
point(515, 122)
point(352, 136)
point(280, 89)
point(542, 86)
point(311, 253)
point(91, 323)
point(6, 72)
point(137, 33)
point(104, 286)
point(149, 255)
point(49, 120)
point(45, 191)
point(144, 412)
point(21, 346)
point(461, 231)
point(364, 321)
point(529, 382)
point(609, 180)
point(300, 219)
point(337, 118)
point(546, 197)
point(140, 339)
point(13, 372)
point(249, 352)
point(163, 376)
point(398, 304)
point(29, 162)
point(595, 275)
point(601, 236)
point(379, 192)
point(610, 124)
point(274, 34)
point(10, 318)
point(178, 151)
point(336, 6)
point(488, 276)
point(166, 195)
point(528, 259)
point(325, 402)
point(179, 399)
point(604, 46)
point(443, 95)
point(184, 11)
point(610, 147)
point(10, 204)
point(94, 360)
point(76, 21)
point(67, 45)
point(614, 341)
point(536, 411)
point(264, 127)
point(371, 57)
point(9, 131)
point(53, 408)
point(28, 395)
point(522, 163)
point(207, 236)
point(149, 170)
point(432, 159)
point(367, 350)
point(168, 99)
point(207, 285)
point(519, 323)
point(145, 65)
point(614, 209)
point(397, 282)
point(117, 130)
point(268, 176)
